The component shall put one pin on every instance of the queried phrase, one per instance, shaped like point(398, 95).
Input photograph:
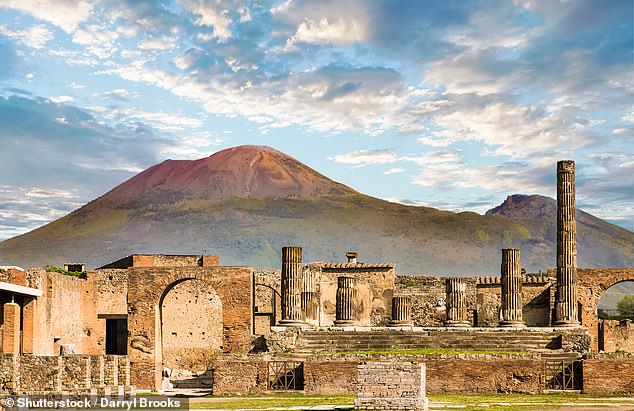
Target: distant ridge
point(246, 202)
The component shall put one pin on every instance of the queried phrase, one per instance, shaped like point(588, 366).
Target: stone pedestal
point(291, 286)
point(566, 295)
point(511, 282)
point(456, 304)
point(346, 299)
point(401, 312)
point(11, 336)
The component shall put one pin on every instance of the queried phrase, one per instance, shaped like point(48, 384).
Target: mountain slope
point(245, 203)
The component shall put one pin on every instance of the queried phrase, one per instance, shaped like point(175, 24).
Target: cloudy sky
point(449, 104)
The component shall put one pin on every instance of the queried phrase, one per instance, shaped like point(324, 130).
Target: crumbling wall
point(616, 336)
point(268, 302)
point(428, 298)
point(191, 325)
point(375, 288)
point(28, 373)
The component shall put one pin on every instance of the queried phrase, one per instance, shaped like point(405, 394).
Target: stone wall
point(602, 376)
point(374, 284)
point(391, 385)
point(616, 336)
point(32, 373)
point(591, 283)
point(482, 298)
point(330, 377)
point(146, 289)
point(191, 316)
point(428, 297)
point(268, 301)
point(240, 377)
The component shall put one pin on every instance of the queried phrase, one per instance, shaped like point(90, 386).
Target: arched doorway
point(191, 331)
point(616, 313)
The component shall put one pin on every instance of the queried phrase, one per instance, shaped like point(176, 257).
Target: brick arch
point(591, 284)
point(146, 289)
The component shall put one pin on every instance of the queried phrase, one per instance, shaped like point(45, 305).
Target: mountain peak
point(247, 171)
point(523, 207)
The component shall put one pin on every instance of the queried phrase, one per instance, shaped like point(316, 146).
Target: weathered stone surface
point(291, 285)
point(603, 376)
point(391, 385)
point(346, 301)
point(511, 285)
point(566, 295)
point(401, 312)
point(456, 302)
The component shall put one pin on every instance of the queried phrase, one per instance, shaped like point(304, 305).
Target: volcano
point(246, 202)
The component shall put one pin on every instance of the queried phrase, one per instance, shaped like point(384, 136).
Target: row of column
point(299, 302)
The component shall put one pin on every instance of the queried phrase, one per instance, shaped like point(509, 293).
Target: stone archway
point(591, 284)
point(191, 326)
point(146, 289)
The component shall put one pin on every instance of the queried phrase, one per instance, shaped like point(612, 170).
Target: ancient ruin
point(156, 321)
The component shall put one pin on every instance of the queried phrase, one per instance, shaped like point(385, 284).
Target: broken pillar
point(291, 286)
point(456, 304)
point(566, 295)
point(346, 296)
point(401, 312)
point(511, 282)
point(309, 297)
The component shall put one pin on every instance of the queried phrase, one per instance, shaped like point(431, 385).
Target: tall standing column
point(511, 288)
point(11, 340)
point(456, 305)
point(346, 296)
point(291, 286)
point(401, 312)
point(566, 296)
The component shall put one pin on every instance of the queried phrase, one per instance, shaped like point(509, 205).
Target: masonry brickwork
point(390, 385)
point(74, 373)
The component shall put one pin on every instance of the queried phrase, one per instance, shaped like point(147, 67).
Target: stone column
point(511, 282)
point(401, 312)
point(456, 304)
point(291, 286)
point(346, 296)
point(309, 297)
point(11, 337)
point(566, 295)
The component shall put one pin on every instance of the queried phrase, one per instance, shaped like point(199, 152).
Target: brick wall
point(391, 385)
point(616, 336)
point(240, 377)
point(603, 376)
point(330, 377)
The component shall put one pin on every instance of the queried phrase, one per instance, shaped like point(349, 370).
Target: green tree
point(626, 306)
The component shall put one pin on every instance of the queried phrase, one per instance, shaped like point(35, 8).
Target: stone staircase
point(453, 339)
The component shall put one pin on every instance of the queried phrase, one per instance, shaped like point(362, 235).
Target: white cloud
point(325, 31)
point(161, 43)
point(34, 37)
point(61, 99)
point(97, 39)
point(209, 15)
point(49, 193)
point(65, 14)
point(365, 157)
point(394, 171)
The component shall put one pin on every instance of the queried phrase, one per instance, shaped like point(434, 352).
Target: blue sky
point(449, 104)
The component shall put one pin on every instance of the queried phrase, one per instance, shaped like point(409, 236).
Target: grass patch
point(524, 402)
point(271, 401)
point(422, 351)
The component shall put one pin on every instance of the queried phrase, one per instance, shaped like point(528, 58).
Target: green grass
point(423, 351)
point(464, 402)
point(271, 400)
point(471, 402)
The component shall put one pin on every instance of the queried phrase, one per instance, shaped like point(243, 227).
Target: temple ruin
point(161, 321)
